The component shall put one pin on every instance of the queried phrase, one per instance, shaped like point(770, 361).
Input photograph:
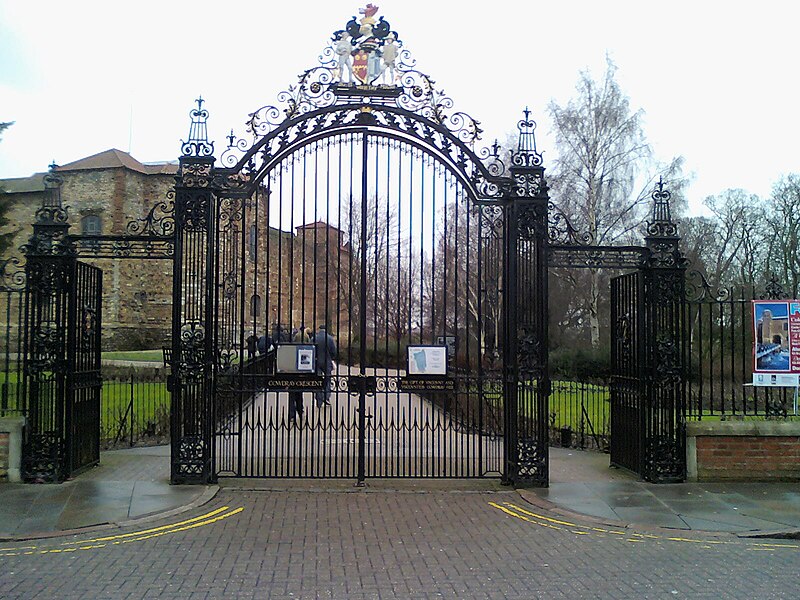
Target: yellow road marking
point(520, 513)
point(124, 538)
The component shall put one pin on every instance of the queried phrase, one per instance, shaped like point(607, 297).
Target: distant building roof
point(22, 185)
point(113, 158)
point(318, 225)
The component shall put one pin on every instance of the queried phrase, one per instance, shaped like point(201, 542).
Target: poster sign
point(776, 343)
point(427, 360)
point(295, 358)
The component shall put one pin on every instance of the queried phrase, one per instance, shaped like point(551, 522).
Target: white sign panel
point(427, 360)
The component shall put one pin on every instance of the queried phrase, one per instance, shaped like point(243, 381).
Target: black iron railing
point(134, 408)
point(580, 415)
point(720, 366)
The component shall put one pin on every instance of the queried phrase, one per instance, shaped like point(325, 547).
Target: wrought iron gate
point(84, 381)
point(361, 211)
point(628, 386)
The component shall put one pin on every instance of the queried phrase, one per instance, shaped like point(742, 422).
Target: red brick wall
point(752, 458)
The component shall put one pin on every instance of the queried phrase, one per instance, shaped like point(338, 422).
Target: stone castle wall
point(291, 278)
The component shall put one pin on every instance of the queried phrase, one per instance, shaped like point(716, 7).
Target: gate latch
point(362, 383)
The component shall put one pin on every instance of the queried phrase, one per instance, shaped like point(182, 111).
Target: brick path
point(383, 544)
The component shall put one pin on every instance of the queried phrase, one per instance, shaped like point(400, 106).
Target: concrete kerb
point(206, 496)
point(534, 500)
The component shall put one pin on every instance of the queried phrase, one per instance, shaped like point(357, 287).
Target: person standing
point(326, 354)
point(301, 336)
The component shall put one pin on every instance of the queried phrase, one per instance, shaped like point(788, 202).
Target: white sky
point(718, 80)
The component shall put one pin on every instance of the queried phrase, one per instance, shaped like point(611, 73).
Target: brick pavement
point(390, 544)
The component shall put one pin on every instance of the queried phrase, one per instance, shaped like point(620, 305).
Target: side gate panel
point(84, 381)
point(627, 385)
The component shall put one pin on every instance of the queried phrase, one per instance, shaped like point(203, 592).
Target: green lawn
point(150, 408)
point(155, 356)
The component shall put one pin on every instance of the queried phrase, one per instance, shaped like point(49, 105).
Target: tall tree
point(600, 143)
point(781, 230)
point(604, 172)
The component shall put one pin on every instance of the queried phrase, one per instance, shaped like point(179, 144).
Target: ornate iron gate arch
point(439, 274)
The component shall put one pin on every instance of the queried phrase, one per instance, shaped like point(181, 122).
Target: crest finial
point(198, 144)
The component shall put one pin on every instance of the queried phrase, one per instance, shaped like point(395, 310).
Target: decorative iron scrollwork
point(191, 457)
point(323, 100)
point(195, 174)
point(159, 222)
point(88, 330)
point(526, 155)
point(698, 289)
point(661, 224)
point(198, 145)
point(663, 459)
point(12, 274)
point(47, 351)
point(594, 257)
point(664, 253)
point(194, 210)
point(530, 221)
point(667, 286)
point(773, 290)
point(667, 360)
point(192, 360)
point(532, 464)
point(530, 364)
point(624, 335)
point(561, 231)
point(43, 458)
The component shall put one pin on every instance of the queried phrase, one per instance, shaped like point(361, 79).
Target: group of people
point(326, 354)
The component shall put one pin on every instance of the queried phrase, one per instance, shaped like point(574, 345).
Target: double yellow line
point(125, 538)
point(542, 521)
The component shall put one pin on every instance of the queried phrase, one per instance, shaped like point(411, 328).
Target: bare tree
point(781, 231)
point(727, 246)
point(604, 172)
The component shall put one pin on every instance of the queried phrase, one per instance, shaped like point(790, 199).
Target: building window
point(253, 242)
point(255, 306)
point(90, 225)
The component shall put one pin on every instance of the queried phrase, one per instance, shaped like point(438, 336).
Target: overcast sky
point(718, 80)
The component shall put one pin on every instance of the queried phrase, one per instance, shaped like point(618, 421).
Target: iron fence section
point(135, 407)
point(580, 415)
point(12, 315)
point(720, 366)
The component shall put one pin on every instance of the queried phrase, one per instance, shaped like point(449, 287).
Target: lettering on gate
point(296, 383)
point(427, 384)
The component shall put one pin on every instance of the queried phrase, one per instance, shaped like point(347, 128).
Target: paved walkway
point(582, 483)
point(128, 485)
point(133, 484)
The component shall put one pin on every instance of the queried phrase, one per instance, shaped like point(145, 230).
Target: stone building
point(103, 193)
point(290, 277)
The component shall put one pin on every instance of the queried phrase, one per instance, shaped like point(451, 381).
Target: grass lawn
point(155, 356)
point(150, 407)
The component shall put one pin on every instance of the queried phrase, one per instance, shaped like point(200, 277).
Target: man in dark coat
point(326, 354)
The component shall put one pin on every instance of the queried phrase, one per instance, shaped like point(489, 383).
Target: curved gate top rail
point(365, 78)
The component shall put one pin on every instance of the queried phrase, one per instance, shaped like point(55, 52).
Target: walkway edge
point(534, 499)
point(207, 495)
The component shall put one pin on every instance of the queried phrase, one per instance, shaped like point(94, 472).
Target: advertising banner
point(776, 343)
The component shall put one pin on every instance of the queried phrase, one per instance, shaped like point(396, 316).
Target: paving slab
point(592, 489)
point(128, 484)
